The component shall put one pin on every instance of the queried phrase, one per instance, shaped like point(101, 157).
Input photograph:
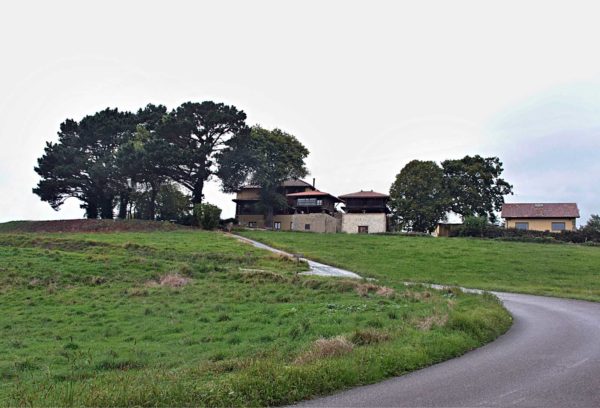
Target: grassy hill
point(564, 270)
point(186, 317)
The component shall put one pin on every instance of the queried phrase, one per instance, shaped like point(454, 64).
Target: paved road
point(549, 358)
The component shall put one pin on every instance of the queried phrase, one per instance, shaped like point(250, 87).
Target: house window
point(558, 226)
point(252, 224)
point(309, 202)
point(307, 227)
point(277, 225)
point(522, 226)
point(363, 229)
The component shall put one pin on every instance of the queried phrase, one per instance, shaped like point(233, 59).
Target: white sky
point(366, 86)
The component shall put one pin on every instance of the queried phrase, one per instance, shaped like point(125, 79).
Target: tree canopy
point(423, 192)
point(141, 160)
point(82, 164)
point(417, 197)
point(114, 158)
point(195, 134)
point(593, 224)
point(265, 159)
point(474, 186)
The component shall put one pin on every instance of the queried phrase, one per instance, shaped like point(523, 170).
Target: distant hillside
point(85, 225)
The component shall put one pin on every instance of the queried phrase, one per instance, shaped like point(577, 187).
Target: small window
point(363, 229)
point(252, 224)
point(277, 225)
point(558, 226)
point(522, 225)
point(307, 227)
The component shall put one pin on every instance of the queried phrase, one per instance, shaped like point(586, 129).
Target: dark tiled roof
point(286, 183)
point(295, 183)
point(540, 210)
point(364, 194)
point(315, 193)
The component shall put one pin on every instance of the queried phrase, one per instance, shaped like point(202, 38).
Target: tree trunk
point(269, 217)
point(123, 203)
point(91, 210)
point(152, 204)
point(197, 193)
point(106, 208)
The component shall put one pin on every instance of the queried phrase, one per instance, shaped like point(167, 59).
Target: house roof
point(364, 194)
point(540, 210)
point(286, 183)
point(315, 193)
point(295, 183)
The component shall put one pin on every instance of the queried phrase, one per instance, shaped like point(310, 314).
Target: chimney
point(313, 182)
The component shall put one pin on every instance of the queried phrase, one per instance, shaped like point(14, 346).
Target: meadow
point(187, 317)
point(563, 270)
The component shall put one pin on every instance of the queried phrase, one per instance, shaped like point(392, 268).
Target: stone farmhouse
point(553, 217)
point(309, 209)
point(365, 212)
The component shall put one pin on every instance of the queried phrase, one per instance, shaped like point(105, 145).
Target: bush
point(474, 226)
point(207, 216)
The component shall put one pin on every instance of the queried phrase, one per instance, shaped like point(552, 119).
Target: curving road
point(550, 357)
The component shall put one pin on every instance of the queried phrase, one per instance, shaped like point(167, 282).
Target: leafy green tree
point(474, 186)
point(593, 224)
point(474, 226)
point(207, 215)
point(195, 134)
point(417, 197)
point(82, 164)
point(171, 203)
point(265, 159)
point(141, 161)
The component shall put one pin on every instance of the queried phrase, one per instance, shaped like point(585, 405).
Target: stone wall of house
point(285, 221)
point(376, 222)
point(318, 222)
point(245, 220)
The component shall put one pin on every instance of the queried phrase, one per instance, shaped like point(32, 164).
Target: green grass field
point(564, 270)
point(197, 318)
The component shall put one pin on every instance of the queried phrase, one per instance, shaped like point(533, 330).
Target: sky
point(366, 86)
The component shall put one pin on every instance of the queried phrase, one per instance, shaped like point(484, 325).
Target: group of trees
point(139, 163)
point(424, 192)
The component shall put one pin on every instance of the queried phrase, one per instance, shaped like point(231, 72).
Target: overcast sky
point(366, 86)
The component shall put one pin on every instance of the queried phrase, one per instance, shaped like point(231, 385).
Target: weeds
point(323, 348)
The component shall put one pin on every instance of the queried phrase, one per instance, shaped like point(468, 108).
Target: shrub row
point(511, 234)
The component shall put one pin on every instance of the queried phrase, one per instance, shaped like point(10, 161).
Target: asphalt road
point(549, 358)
